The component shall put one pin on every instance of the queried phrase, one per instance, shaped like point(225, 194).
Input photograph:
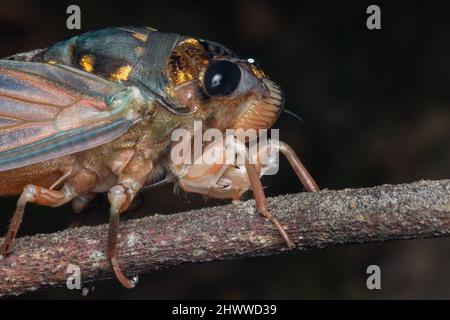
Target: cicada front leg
point(79, 182)
point(302, 173)
point(261, 202)
point(254, 171)
point(231, 181)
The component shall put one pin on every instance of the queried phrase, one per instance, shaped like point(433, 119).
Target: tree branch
point(313, 220)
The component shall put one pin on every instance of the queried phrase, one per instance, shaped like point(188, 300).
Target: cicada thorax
point(111, 53)
point(166, 67)
point(161, 65)
point(155, 62)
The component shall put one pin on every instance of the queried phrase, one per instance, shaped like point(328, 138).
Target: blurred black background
point(377, 109)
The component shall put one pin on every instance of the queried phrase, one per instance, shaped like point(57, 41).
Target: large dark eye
point(221, 78)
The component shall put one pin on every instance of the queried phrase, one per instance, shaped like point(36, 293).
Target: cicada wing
point(48, 111)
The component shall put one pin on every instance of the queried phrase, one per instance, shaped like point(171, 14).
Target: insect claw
point(8, 245)
point(135, 279)
point(6, 249)
point(290, 244)
point(124, 281)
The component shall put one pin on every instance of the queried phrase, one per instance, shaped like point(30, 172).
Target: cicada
point(95, 113)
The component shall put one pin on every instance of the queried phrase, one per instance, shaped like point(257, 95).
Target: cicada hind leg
point(79, 182)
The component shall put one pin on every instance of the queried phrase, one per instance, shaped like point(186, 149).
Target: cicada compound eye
point(221, 78)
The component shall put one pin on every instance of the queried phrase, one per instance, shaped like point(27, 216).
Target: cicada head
point(227, 92)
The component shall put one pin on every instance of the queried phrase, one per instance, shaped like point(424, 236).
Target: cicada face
point(228, 92)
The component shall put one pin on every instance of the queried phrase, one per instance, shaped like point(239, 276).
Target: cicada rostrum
point(95, 114)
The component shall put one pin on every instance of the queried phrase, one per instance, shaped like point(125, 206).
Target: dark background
point(377, 108)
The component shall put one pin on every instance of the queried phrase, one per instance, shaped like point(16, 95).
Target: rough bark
point(313, 220)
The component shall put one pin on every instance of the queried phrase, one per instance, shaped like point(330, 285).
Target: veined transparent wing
point(48, 111)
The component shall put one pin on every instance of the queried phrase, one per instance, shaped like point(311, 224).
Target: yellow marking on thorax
point(87, 62)
point(140, 36)
point(191, 41)
point(121, 73)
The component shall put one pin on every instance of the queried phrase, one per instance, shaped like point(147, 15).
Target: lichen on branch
point(313, 221)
